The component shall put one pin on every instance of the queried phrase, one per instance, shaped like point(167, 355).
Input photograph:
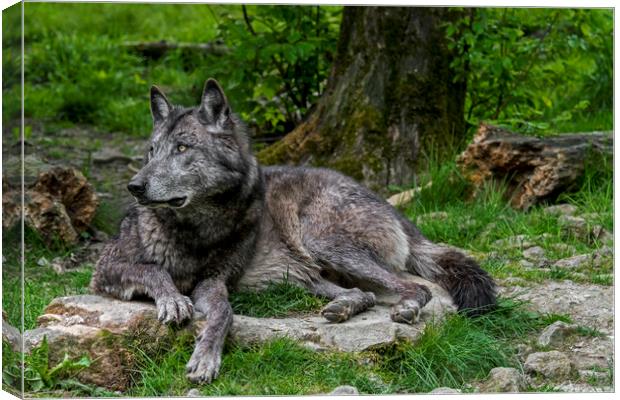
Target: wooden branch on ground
point(535, 169)
point(158, 49)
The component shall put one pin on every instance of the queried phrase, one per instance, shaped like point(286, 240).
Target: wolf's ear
point(214, 108)
point(160, 106)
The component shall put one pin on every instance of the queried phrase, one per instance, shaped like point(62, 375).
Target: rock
point(601, 234)
point(574, 226)
point(560, 209)
point(592, 352)
point(523, 350)
point(527, 264)
point(344, 390)
point(571, 387)
point(193, 393)
point(605, 251)
point(365, 331)
point(504, 380)
point(551, 364)
point(444, 390)
point(582, 260)
point(590, 374)
point(103, 328)
point(513, 281)
point(555, 333)
point(563, 247)
point(521, 241)
point(586, 304)
point(534, 253)
point(437, 216)
point(59, 203)
point(11, 335)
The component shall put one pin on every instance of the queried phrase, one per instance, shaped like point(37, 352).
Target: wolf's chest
point(178, 253)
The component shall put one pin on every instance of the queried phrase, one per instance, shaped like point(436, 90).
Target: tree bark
point(391, 97)
point(534, 169)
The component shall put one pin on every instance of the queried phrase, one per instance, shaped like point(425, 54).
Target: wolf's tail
point(470, 286)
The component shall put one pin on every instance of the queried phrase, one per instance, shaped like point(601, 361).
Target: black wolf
point(206, 214)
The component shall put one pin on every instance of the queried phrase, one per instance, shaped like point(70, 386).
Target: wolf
point(207, 214)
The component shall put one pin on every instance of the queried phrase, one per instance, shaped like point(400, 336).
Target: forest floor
point(552, 265)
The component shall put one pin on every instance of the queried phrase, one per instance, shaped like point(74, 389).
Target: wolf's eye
point(181, 148)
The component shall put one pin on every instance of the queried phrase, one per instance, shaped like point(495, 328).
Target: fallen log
point(535, 169)
point(157, 49)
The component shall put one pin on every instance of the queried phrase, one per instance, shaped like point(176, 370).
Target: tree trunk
point(391, 97)
point(533, 169)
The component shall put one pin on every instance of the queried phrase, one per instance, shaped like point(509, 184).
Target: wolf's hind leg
point(344, 303)
point(359, 264)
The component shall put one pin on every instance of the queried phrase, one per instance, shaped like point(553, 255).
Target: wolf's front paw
point(175, 309)
point(407, 311)
point(204, 365)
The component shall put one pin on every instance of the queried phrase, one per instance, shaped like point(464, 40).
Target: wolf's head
point(195, 153)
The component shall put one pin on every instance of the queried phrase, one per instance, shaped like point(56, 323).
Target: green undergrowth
point(452, 353)
point(41, 283)
point(477, 220)
point(277, 300)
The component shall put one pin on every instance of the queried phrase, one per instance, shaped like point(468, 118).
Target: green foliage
point(41, 284)
point(459, 350)
point(535, 69)
point(277, 300)
point(40, 378)
point(280, 367)
point(279, 61)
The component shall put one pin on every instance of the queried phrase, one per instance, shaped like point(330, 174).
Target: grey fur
point(208, 219)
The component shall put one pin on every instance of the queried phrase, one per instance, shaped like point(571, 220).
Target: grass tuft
point(279, 299)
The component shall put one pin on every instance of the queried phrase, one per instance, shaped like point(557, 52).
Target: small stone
point(574, 226)
point(560, 209)
point(534, 253)
point(504, 380)
point(563, 247)
point(193, 393)
point(571, 387)
point(527, 264)
point(550, 364)
point(444, 390)
point(597, 375)
point(601, 234)
point(521, 241)
point(573, 262)
point(344, 390)
point(605, 251)
point(523, 350)
point(555, 333)
point(513, 281)
point(11, 335)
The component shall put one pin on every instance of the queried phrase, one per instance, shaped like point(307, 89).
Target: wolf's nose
point(136, 189)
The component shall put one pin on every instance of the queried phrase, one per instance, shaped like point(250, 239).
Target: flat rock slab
point(588, 305)
point(105, 329)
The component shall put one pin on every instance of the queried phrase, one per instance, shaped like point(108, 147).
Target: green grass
point(277, 300)
point(477, 220)
point(453, 353)
point(280, 367)
point(41, 284)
